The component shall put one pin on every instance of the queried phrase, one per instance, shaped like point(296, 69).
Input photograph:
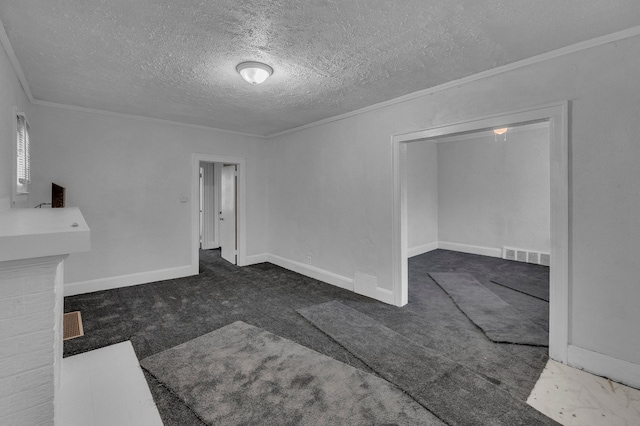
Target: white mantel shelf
point(31, 233)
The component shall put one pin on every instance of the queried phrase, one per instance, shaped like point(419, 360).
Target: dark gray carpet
point(448, 389)
point(499, 320)
point(161, 315)
point(538, 288)
point(243, 375)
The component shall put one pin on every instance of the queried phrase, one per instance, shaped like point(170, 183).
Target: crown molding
point(4, 40)
point(578, 47)
point(574, 48)
point(143, 118)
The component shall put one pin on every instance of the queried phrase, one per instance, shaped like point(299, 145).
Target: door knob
point(222, 218)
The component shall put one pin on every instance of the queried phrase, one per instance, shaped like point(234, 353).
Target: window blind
point(23, 152)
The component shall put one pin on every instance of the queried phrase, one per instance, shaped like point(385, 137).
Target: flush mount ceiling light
point(254, 72)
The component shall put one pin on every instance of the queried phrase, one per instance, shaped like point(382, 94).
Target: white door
point(228, 214)
point(208, 208)
point(201, 205)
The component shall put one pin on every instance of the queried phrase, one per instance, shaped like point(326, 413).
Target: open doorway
point(557, 117)
point(478, 209)
point(209, 205)
point(218, 207)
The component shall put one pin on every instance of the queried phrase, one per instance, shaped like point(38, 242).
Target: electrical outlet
point(308, 260)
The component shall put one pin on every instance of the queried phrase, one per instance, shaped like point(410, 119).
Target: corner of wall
point(468, 248)
point(425, 248)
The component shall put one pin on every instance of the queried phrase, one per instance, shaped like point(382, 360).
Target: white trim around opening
point(558, 117)
point(195, 206)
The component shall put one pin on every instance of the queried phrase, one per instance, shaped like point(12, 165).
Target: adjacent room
point(319, 212)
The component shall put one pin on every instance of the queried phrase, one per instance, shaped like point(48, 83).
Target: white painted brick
point(20, 282)
point(35, 416)
point(26, 343)
point(25, 362)
point(27, 318)
point(41, 396)
point(24, 381)
point(25, 304)
point(26, 324)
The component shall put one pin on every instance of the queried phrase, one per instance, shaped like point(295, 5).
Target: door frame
point(195, 206)
point(209, 193)
point(558, 117)
point(224, 210)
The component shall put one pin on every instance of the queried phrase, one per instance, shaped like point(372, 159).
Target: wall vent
point(545, 259)
point(509, 254)
point(527, 256)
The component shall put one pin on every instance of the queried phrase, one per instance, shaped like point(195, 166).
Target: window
point(23, 160)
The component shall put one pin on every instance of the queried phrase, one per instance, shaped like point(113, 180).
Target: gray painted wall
point(494, 193)
point(422, 193)
point(330, 188)
point(127, 176)
point(11, 94)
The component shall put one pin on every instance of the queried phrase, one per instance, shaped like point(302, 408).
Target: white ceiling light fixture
point(254, 72)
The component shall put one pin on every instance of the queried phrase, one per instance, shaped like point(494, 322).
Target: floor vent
point(72, 324)
point(520, 255)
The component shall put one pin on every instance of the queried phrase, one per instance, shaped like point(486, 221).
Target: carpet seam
point(373, 369)
point(157, 379)
point(480, 376)
point(500, 342)
point(519, 291)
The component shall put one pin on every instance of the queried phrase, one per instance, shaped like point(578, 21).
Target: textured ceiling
point(176, 60)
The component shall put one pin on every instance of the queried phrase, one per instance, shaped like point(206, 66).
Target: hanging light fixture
point(254, 72)
point(498, 132)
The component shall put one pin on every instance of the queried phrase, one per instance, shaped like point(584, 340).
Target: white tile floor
point(106, 387)
point(574, 397)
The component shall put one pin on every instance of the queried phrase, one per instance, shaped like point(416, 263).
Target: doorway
point(557, 117)
point(218, 207)
point(209, 205)
point(228, 218)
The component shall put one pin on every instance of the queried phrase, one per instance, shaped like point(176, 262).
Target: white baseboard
point(374, 292)
point(312, 272)
point(367, 285)
point(603, 365)
point(425, 248)
point(381, 294)
point(256, 258)
point(467, 248)
point(71, 289)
